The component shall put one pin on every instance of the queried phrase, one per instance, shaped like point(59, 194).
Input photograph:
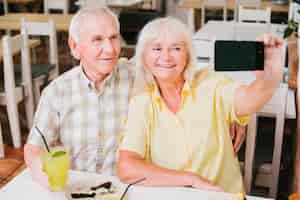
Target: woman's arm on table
point(131, 167)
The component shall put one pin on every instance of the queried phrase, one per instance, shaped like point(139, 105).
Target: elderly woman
point(177, 132)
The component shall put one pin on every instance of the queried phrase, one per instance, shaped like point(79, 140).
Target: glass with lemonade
point(56, 165)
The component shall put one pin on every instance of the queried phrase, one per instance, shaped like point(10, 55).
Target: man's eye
point(97, 40)
point(114, 37)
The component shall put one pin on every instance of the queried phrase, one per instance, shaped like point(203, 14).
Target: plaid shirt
point(74, 114)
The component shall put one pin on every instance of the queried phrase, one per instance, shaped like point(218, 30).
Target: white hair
point(77, 19)
point(153, 30)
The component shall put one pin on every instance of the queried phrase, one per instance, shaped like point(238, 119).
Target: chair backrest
point(12, 46)
point(204, 49)
point(294, 9)
point(5, 6)
point(213, 3)
point(30, 28)
point(90, 3)
point(254, 15)
point(62, 5)
point(246, 3)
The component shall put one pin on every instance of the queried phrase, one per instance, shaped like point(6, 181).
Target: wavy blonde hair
point(169, 26)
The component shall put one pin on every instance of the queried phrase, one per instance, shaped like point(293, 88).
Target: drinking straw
point(44, 139)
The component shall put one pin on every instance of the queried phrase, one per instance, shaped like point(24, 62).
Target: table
point(22, 187)
point(32, 44)
point(244, 31)
point(12, 21)
point(196, 4)
point(116, 5)
point(20, 1)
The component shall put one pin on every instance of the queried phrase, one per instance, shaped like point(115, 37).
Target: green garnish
point(58, 153)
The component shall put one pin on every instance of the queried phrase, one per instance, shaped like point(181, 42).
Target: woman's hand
point(237, 134)
point(251, 98)
point(274, 59)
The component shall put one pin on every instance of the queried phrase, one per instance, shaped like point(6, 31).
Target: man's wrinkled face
point(99, 45)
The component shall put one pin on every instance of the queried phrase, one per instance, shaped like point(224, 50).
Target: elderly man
point(84, 108)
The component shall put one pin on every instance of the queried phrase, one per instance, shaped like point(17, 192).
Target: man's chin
point(106, 69)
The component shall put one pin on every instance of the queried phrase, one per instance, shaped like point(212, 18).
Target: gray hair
point(152, 31)
point(82, 13)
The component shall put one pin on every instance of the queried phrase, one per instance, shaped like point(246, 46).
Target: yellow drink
point(56, 165)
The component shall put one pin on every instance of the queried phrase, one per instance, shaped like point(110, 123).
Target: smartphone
point(239, 55)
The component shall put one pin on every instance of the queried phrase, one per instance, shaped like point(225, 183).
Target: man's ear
point(74, 48)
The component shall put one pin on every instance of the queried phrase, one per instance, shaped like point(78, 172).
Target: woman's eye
point(177, 48)
point(156, 49)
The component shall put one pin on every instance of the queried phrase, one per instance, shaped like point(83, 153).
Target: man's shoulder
point(68, 75)
point(64, 80)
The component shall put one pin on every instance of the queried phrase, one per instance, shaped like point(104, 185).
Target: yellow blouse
point(194, 139)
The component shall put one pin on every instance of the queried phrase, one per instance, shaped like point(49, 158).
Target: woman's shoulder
point(209, 77)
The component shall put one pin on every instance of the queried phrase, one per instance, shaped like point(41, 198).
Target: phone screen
point(239, 55)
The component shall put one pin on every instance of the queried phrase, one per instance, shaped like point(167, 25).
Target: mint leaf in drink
point(58, 153)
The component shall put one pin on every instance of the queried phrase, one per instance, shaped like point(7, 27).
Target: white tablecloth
point(22, 187)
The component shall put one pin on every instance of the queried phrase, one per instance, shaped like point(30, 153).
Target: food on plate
point(103, 191)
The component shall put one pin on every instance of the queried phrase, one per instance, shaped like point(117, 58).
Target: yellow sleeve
point(228, 88)
point(136, 128)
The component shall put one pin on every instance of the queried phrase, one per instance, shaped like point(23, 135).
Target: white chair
point(90, 3)
point(5, 6)
point(293, 11)
point(246, 3)
point(1, 144)
point(268, 174)
point(17, 84)
point(62, 5)
point(42, 73)
point(213, 3)
point(204, 49)
point(254, 14)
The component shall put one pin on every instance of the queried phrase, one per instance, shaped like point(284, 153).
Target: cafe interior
point(270, 154)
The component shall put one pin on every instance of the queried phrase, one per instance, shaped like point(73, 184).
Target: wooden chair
point(1, 144)
point(213, 3)
point(254, 15)
point(17, 84)
point(42, 73)
point(62, 5)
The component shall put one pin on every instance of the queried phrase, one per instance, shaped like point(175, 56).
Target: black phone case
point(239, 55)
